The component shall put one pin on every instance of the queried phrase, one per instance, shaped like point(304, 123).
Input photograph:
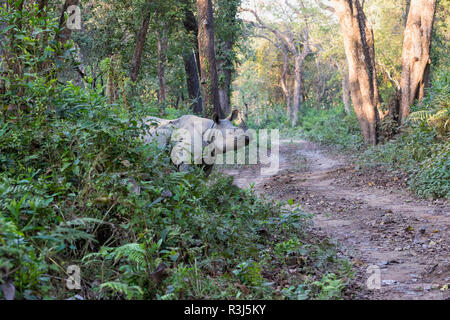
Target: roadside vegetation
point(67, 198)
point(78, 187)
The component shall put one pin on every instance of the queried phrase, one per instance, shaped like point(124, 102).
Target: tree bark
point(227, 71)
point(298, 95)
point(193, 83)
point(209, 80)
point(226, 33)
point(140, 42)
point(284, 82)
point(359, 49)
point(416, 54)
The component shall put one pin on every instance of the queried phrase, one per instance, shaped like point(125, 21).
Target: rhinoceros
point(196, 140)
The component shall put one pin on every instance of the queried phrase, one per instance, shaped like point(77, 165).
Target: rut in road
point(375, 224)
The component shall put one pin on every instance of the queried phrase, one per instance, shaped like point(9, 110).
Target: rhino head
point(225, 136)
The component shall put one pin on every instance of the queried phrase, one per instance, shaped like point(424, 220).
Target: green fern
point(131, 292)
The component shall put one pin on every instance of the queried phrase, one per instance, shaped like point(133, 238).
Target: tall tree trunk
point(226, 32)
point(209, 80)
point(192, 61)
point(359, 49)
point(161, 35)
point(298, 95)
point(416, 54)
point(193, 83)
point(299, 89)
point(227, 72)
point(140, 42)
point(284, 82)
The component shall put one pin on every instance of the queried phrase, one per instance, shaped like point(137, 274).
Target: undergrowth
point(78, 187)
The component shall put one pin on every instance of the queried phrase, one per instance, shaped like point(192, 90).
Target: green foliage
point(329, 287)
point(249, 273)
point(432, 179)
point(29, 59)
point(422, 150)
point(331, 126)
point(66, 197)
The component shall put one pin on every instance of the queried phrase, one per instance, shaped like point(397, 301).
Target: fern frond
point(131, 292)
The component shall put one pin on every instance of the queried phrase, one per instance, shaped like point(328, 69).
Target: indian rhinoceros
point(196, 140)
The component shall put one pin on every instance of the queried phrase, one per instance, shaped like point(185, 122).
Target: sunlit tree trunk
point(416, 53)
point(209, 80)
point(298, 95)
point(193, 83)
point(359, 49)
point(346, 95)
point(284, 82)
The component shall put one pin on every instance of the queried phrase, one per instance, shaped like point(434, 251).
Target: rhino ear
point(216, 118)
point(234, 115)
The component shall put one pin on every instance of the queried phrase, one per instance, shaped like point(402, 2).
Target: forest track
point(374, 219)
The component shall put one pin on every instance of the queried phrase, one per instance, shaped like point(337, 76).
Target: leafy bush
point(422, 149)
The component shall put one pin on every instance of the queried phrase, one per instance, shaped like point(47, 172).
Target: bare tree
point(207, 52)
point(359, 49)
point(416, 53)
point(226, 33)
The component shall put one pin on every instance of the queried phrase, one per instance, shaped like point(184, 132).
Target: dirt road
point(376, 221)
